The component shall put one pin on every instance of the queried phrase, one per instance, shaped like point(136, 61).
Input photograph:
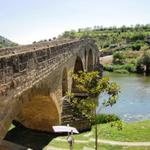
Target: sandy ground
point(106, 59)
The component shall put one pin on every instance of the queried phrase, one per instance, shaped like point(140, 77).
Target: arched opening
point(78, 67)
point(64, 82)
point(85, 58)
point(90, 61)
point(95, 60)
point(41, 113)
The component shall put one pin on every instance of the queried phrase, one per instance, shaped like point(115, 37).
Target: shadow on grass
point(30, 138)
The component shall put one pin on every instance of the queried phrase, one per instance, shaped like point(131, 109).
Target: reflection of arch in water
point(77, 67)
point(90, 61)
point(64, 82)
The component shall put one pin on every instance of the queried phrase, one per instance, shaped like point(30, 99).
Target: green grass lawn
point(138, 131)
point(80, 146)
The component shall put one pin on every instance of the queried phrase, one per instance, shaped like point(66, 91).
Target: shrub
point(123, 71)
point(108, 68)
point(130, 67)
point(143, 64)
point(136, 47)
point(106, 118)
point(113, 46)
point(140, 66)
point(118, 67)
point(105, 45)
point(118, 58)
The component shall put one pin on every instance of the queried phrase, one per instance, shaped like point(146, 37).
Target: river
point(134, 99)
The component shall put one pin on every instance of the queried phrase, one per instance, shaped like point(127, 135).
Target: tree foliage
point(92, 84)
point(118, 58)
point(143, 63)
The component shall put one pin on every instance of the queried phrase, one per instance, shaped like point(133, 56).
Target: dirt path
point(54, 148)
point(122, 143)
point(110, 142)
point(106, 59)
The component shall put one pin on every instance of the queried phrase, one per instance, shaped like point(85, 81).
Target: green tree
point(143, 64)
point(93, 84)
point(118, 58)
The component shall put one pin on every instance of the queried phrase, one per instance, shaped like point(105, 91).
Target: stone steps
point(69, 116)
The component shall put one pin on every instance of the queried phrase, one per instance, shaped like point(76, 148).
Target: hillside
point(6, 43)
point(129, 46)
point(122, 38)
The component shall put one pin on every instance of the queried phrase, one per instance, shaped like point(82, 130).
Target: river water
point(134, 100)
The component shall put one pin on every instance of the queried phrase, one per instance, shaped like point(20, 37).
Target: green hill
point(113, 38)
point(129, 46)
point(6, 43)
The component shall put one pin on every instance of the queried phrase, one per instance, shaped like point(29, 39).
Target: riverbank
point(126, 67)
point(132, 132)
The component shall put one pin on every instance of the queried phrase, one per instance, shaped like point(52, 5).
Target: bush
point(143, 63)
point(113, 46)
point(130, 67)
point(118, 67)
point(136, 47)
point(108, 68)
point(105, 45)
point(106, 118)
point(123, 71)
point(121, 68)
point(118, 58)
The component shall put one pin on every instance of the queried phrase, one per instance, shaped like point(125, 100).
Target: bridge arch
point(90, 61)
point(40, 113)
point(64, 82)
point(85, 59)
point(77, 67)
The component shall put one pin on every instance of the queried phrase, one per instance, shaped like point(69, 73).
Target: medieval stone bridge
point(34, 78)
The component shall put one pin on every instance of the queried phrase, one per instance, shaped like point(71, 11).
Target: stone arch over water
point(40, 113)
point(85, 58)
point(77, 67)
point(64, 82)
point(90, 61)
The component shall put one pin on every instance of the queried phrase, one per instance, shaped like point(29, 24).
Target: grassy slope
point(91, 145)
point(138, 131)
point(113, 38)
point(6, 43)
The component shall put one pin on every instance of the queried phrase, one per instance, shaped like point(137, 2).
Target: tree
point(93, 84)
point(143, 64)
point(118, 58)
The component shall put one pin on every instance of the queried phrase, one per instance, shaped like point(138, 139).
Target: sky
point(25, 21)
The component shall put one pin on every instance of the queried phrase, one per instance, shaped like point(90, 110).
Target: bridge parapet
point(35, 74)
point(21, 70)
point(36, 46)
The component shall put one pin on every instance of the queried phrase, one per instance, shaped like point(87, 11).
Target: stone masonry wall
point(24, 68)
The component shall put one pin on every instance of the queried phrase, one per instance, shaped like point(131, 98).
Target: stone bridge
point(35, 78)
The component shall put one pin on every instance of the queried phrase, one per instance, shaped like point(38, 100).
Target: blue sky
point(25, 21)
